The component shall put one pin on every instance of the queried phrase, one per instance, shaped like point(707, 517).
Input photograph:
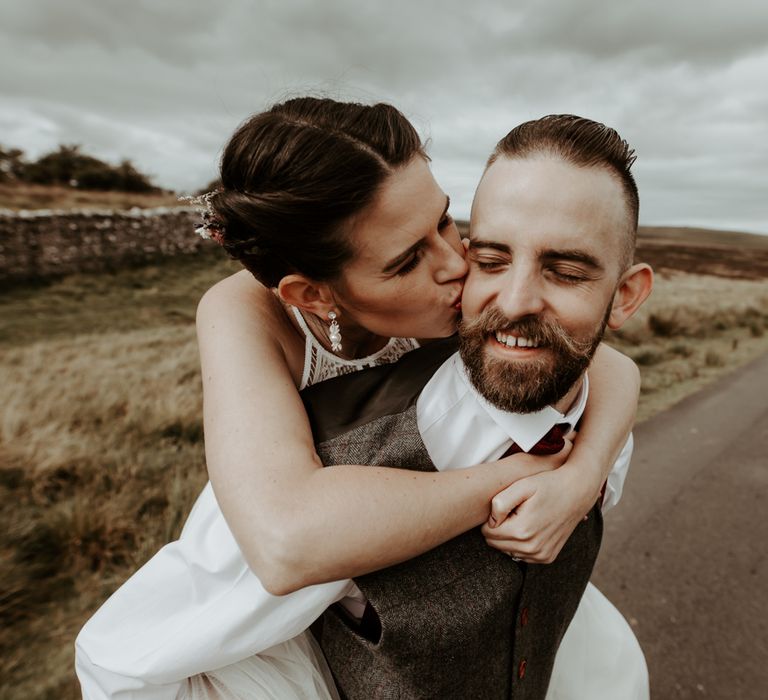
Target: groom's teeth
point(512, 341)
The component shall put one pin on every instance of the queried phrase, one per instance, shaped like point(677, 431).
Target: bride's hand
point(533, 518)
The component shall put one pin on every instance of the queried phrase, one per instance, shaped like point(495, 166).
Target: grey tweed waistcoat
point(462, 620)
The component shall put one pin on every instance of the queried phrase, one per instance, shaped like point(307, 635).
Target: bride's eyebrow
point(402, 257)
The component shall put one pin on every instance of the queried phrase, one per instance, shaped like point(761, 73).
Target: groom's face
point(545, 259)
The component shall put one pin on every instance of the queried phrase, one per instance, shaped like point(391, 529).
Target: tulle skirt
point(292, 670)
point(599, 657)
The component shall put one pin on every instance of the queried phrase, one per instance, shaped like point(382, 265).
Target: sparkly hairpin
point(210, 227)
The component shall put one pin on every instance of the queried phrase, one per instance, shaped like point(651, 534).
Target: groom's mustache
point(542, 331)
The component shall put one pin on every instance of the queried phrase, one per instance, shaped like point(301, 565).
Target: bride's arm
point(549, 506)
point(295, 522)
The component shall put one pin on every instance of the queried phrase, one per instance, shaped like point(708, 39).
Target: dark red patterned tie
point(550, 444)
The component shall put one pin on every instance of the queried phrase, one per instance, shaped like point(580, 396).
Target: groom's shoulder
point(338, 405)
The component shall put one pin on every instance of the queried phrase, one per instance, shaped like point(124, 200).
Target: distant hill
point(704, 251)
point(701, 237)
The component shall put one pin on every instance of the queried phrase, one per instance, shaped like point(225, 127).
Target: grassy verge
point(101, 452)
point(692, 330)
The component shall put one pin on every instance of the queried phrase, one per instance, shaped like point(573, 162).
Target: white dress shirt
point(196, 606)
point(460, 428)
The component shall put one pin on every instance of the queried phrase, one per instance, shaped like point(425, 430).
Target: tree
point(131, 180)
point(12, 165)
point(69, 166)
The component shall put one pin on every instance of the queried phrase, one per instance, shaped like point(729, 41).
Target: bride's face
point(408, 270)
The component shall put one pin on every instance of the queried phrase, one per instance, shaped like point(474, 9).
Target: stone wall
point(41, 244)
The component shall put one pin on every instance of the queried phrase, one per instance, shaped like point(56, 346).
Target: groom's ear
point(306, 294)
point(634, 287)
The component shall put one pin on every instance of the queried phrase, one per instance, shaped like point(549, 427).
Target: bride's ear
point(306, 294)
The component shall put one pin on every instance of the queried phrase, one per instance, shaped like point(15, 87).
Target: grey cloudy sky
point(165, 82)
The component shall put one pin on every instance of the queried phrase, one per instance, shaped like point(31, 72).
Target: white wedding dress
point(294, 669)
point(194, 623)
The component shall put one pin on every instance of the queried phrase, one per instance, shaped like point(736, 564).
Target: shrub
point(681, 350)
point(648, 357)
point(665, 326)
point(713, 359)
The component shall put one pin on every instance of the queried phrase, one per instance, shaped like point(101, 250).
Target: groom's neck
point(564, 405)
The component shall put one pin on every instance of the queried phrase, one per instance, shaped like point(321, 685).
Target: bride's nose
point(451, 264)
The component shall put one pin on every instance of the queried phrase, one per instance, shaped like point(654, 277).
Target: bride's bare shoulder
point(241, 304)
point(242, 323)
point(240, 294)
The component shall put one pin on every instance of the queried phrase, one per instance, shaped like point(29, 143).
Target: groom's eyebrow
point(495, 245)
point(577, 256)
point(402, 257)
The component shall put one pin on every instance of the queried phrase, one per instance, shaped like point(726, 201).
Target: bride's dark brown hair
point(294, 176)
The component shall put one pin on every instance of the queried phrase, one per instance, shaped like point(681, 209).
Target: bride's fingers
point(522, 550)
point(504, 502)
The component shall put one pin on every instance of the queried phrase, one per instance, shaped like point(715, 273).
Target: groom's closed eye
point(488, 256)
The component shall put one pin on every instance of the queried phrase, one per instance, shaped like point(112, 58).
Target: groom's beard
point(522, 386)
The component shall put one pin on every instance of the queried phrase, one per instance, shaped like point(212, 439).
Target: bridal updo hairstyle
point(294, 176)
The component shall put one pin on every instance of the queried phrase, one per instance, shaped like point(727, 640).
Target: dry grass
point(101, 450)
point(101, 454)
point(693, 329)
point(151, 296)
point(29, 196)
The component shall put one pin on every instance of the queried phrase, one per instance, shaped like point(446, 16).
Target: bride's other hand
point(534, 517)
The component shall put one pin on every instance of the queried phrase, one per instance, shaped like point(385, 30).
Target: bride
point(350, 255)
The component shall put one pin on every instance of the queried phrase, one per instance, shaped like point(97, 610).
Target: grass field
point(101, 452)
point(29, 196)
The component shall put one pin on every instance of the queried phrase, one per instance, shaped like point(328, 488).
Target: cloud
point(686, 30)
point(166, 83)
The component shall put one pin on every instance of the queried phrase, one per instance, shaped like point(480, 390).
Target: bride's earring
point(334, 332)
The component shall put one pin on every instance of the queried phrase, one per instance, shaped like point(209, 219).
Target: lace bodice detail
point(321, 364)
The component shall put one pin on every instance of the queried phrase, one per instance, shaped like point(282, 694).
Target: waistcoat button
point(524, 617)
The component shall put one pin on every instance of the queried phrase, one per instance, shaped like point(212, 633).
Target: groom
point(553, 229)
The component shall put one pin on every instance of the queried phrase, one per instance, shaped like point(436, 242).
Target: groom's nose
point(520, 294)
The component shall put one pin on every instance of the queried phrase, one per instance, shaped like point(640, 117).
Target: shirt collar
point(526, 429)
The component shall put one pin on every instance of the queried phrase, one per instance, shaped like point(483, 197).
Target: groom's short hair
point(583, 143)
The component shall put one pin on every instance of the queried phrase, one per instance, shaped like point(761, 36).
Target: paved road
point(684, 555)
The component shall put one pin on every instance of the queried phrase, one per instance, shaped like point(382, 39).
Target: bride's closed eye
point(415, 259)
point(412, 263)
